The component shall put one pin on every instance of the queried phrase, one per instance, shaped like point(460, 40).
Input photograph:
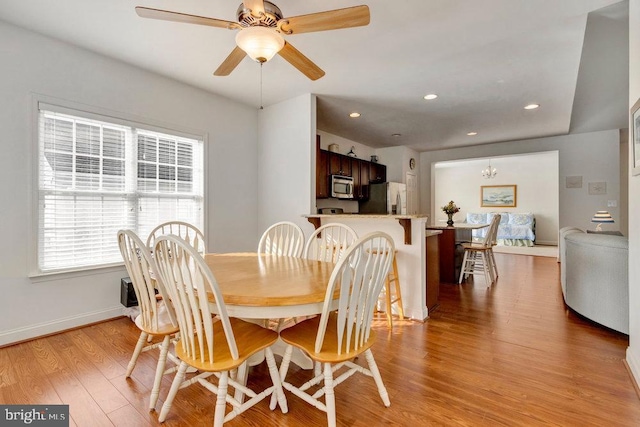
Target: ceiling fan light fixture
point(260, 43)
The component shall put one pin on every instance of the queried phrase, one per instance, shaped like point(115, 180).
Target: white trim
point(634, 366)
point(34, 331)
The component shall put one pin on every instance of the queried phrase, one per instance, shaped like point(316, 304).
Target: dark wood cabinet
point(377, 172)
point(339, 164)
point(363, 172)
point(322, 174)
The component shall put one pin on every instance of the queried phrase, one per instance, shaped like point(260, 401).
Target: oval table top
point(270, 286)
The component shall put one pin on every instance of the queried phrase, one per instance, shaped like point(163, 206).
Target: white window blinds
point(97, 177)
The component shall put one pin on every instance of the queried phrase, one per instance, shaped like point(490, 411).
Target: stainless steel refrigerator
point(386, 198)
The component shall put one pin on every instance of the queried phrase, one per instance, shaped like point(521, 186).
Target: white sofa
point(594, 277)
point(515, 228)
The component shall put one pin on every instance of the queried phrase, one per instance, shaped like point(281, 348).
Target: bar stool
point(390, 299)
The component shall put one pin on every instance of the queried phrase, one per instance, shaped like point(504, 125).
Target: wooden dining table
point(266, 286)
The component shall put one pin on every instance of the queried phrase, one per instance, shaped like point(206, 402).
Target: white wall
point(397, 161)
point(35, 64)
point(286, 159)
point(595, 156)
point(536, 178)
point(633, 352)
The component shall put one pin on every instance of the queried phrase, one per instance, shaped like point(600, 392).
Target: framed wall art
point(503, 196)
point(635, 136)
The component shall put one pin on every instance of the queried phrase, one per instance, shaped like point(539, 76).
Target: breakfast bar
point(409, 235)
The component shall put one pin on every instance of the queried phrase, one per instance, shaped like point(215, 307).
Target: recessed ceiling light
point(354, 114)
point(431, 96)
point(396, 135)
point(531, 106)
point(472, 133)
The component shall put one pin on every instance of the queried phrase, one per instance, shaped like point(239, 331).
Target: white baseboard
point(547, 242)
point(634, 366)
point(34, 331)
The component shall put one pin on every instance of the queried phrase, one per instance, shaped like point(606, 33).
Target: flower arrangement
point(450, 208)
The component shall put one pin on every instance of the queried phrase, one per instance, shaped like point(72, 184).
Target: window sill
point(40, 276)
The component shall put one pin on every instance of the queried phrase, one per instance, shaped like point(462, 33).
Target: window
point(96, 177)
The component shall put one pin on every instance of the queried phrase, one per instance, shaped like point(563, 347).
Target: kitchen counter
point(404, 220)
point(410, 242)
point(371, 216)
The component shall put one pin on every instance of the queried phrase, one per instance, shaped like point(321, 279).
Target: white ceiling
point(486, 59)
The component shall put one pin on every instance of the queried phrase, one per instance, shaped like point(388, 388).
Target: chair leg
point(486, 268)
point(162, 360)
point(493, 262)
point(284, 367)
point(175, 386)
point(465, 260)
point(275, 378)
point(142, 340)
point(375, 373)
point(387, 286)
point(398, 295)
point(221, 400)
point(329, 396)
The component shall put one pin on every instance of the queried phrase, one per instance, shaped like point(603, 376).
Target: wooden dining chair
point(190, 233)
point(478, 258)
point(282, 238)
point(156, 317)
point(329, 242)
point(214, 346)
point(343, 330)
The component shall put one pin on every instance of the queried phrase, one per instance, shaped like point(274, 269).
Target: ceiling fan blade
point(256, 6)
point(301, 62)
point(232, 61)
point(356, 16)
point(167, 15)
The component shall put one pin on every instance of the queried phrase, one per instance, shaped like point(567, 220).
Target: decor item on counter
point(351, 153)
point(635, 136)
point(489, 172)
point(374, 159)
point(602, 217)
point(334, 148)
point(498, 196)
point(450, 209)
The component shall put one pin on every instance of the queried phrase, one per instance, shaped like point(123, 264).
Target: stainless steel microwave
point(341, 187)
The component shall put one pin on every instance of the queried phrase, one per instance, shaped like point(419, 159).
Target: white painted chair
point(343, 330)
point(188, 232)
point(215, 347)
point(329, 242)
point(282, 238)
point(478, 257)
point(156, 318)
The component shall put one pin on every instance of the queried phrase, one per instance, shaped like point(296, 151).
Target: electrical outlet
point(612, 203)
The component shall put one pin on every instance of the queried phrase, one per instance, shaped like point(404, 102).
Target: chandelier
point(489, 172)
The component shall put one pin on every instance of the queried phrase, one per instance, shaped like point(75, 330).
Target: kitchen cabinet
point(322, 174)
point(339, 164)
point(362, 171)
point(363, 188)
point(377, 172)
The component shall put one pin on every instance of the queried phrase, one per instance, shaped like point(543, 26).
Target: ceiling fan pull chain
point(261, 107)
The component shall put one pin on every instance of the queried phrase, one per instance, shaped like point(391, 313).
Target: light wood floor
point(512, 355)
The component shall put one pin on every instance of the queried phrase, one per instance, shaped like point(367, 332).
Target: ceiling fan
point(261, 26)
